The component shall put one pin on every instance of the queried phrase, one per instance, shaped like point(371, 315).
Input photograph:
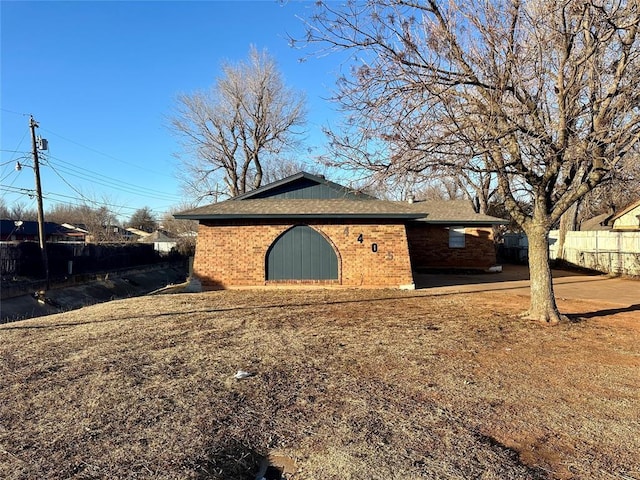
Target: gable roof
point(606, 221)
point(303, 185)
point(599, 222)
point(625, 210)
point(157, 237)
point(305, 196)
point(30, 228)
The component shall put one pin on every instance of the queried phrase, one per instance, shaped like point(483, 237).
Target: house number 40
point(374, 246)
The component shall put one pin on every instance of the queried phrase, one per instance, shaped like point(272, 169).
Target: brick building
point(305, 229)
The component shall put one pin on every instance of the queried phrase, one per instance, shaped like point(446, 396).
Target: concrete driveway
point(515, 279)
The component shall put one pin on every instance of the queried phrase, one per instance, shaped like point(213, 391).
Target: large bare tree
point(540, 94)
point(248, 116)
point(143, 219)
point(98, 217)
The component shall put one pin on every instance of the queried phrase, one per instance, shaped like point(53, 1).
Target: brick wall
point(429, 248)
point(233, 253)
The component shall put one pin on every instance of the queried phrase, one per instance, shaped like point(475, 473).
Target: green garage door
point(301, 253)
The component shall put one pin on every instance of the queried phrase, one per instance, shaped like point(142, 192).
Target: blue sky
point(101, 78)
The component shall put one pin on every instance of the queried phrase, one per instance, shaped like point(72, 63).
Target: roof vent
point(411, 198)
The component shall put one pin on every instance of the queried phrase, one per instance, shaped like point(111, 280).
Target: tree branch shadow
point(581, 317)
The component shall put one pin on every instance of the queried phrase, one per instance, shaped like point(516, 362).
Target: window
point(456, 237)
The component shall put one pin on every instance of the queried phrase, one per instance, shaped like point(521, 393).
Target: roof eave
point(299, 216)
point(464, 222)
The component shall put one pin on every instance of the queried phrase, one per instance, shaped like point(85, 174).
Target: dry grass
point(350, 384)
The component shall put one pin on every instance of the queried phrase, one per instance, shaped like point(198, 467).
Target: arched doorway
point(301, 253)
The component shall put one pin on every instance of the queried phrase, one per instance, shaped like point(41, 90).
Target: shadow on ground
point(579, 317)
point(510, 273)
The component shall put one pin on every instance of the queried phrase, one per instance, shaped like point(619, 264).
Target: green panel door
point(301, 253)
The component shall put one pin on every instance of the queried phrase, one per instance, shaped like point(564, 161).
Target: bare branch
point(228, 132)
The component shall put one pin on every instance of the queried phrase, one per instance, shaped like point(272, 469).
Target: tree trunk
point(568, 223)
point(543, 303)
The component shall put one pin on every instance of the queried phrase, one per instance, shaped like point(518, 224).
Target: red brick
point(234, 253)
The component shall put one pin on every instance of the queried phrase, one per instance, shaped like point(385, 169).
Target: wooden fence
point(616, 253)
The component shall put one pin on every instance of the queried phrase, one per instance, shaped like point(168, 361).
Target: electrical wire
point(106, 155)
point(55, 197)
point(60, 167)
point(8, 175)
point(12, 151)
point(21, 192)
point(68, 184)
point(95, 177)
point(110, 182)
point(13, 156)
point(11, 111)
point(82, 196)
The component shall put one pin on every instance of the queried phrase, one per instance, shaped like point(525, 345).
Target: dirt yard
point(346, 384)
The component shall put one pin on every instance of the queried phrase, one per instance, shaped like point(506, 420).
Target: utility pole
point(36, 168)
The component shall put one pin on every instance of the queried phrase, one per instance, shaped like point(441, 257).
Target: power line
point(56, 197)
point(145, 169)
point(110, 182)
point(72, 170)
point(13, 172)
point(19, 191)
point(11, 111)
point(95, 177)
point(82, 196)
point(12, 151)
point(67, 183)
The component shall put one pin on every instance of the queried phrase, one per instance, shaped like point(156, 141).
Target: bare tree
point(67, 213)
point(249, 116)
point(541, 95)
point(98, 217)
point(17, 211)
point(184, 230)
point(277, 169)
point(101, 223)
point(620, 188)
point(144, 219)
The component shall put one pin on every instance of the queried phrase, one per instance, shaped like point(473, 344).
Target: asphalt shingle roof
point(431, 211)
point(335, 202)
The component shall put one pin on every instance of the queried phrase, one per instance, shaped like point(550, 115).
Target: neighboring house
point(137, 232)
point(305, 229)
point(162, 243)
point(77, 232)
point(627, 219)
point(597, 223)
point(112, 234)
point(19, 231)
